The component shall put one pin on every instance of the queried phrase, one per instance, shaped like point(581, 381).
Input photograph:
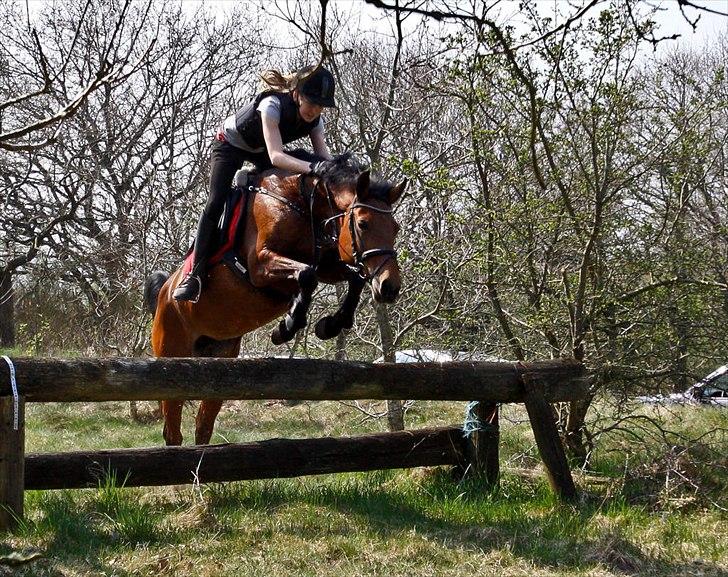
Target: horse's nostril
point(389, 290)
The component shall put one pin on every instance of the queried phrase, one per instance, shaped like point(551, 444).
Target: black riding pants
point(226, 160)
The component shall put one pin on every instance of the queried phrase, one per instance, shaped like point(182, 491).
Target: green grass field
point(631, 520)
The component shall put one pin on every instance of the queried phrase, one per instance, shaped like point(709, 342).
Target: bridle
point(358, 255)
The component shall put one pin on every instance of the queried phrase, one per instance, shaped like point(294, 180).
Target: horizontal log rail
point(273, 458)
point(115, 379)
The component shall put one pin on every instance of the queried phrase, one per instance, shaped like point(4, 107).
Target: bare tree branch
point(104, 76)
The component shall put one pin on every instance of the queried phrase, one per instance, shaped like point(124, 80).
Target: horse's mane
point(345, 171)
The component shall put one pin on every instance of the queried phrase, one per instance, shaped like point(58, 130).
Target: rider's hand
point(320, 167)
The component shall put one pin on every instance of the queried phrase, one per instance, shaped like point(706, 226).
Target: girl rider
point(256, 133)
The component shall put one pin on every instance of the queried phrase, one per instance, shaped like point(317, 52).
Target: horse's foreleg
point(273, 268)
point(172, 413)
point(295, 318)
point(330, 326)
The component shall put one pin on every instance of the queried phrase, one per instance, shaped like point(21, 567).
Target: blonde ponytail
point(276, 80)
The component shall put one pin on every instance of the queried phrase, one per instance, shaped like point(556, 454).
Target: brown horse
point(299, 229)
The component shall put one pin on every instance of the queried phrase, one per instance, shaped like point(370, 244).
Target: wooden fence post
point(547, 439)
point(483, 443)
point(12, 462)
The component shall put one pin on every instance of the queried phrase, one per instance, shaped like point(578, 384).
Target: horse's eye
point(362, 224)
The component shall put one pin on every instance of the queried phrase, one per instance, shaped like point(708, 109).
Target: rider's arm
point(274, 144)
point(319, 143)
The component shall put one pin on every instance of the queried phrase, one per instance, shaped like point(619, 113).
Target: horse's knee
point(307, 280)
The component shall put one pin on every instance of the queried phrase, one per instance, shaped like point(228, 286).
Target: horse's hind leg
point(209, 409)
point(170, 339)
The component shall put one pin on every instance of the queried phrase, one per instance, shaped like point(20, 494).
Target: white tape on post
point(14, 387)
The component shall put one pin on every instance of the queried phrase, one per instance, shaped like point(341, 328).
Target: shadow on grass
point(76, 532)
point(529, 522)
point(523, 518)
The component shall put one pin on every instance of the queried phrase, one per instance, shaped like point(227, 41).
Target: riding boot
point(191, 286)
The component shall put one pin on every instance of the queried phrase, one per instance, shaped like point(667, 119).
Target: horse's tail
point(152, 286)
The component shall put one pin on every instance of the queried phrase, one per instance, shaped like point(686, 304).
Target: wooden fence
point(87, 380)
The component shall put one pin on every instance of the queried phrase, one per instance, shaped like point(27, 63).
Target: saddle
point(231, 229)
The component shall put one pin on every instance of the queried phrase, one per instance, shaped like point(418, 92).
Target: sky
point(709, 26)
point(668, 15)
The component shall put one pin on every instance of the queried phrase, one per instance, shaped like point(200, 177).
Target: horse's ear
point(396, 191)
point(362, 185)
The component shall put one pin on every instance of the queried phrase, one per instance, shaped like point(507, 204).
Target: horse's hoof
point(327, 328)
point(276, 337)
point(281, 334)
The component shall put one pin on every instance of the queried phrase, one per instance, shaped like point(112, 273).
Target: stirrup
point(182, 292)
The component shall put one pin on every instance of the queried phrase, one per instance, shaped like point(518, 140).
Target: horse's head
point(368, 232)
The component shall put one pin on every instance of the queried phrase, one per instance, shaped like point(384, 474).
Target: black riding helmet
point(318, 87)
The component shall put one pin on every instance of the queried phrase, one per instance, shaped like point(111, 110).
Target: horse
point(299, 230)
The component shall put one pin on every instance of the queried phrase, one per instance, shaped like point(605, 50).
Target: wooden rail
point(88, 380)
point(273, 458)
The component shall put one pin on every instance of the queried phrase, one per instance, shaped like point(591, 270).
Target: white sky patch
point(371, 19)
point(709, 26)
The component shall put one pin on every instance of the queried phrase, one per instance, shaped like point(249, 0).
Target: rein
point(280, 198)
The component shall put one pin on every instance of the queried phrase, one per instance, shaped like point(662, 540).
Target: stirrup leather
point(179, 292)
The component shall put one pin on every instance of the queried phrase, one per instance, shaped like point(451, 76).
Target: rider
point(290, 109)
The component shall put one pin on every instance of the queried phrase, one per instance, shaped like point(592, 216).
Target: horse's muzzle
point(386, 290)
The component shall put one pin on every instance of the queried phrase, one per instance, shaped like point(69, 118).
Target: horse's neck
point(326, 203)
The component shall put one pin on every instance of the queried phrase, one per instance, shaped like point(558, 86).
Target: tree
point(26, 126)
point(556, 158)
point(123, 161)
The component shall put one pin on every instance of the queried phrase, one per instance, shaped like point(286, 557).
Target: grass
point(410, 522)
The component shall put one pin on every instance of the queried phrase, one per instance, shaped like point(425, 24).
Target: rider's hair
point(276, 80)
